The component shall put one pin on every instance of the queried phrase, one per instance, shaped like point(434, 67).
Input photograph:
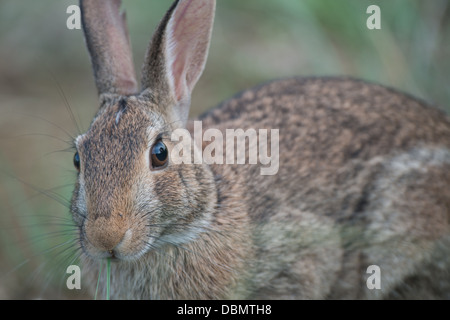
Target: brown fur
point(363, 180)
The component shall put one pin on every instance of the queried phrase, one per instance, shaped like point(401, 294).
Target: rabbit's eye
point(76, 161)
point(159, 155)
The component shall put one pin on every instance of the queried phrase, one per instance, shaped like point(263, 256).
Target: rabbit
point(363, 180)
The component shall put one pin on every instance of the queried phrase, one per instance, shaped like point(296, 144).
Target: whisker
point(60, 261)
point(43, 135)
point(183, 225)
point(66, 102)
point(50, 194)
point(71, 149)
point(69, 135)
point(34, 276)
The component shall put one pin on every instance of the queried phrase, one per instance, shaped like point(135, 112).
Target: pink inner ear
point(188, 38)
point(179, 73)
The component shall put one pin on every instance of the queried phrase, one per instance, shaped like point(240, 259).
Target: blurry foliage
point(253, 41)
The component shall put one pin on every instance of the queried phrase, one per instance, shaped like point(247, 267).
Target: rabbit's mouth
point(99, 242)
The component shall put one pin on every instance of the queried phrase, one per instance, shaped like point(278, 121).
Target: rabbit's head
point(129, 196)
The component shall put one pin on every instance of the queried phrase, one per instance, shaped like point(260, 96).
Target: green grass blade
point(98, 279)
point(108, 278)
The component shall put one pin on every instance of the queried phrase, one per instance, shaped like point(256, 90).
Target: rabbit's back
point(376, 120)
point(363, 179)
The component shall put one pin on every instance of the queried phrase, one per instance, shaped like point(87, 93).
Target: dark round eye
point(76, 161)
point(159, 155)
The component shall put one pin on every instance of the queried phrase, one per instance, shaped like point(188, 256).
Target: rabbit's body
point(363, 179)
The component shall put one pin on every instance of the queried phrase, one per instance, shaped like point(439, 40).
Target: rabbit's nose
point(105, 234)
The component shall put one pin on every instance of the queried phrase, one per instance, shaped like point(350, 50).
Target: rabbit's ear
point(109, 46)
point(177, 54)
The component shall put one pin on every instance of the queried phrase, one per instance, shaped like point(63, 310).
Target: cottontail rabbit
point(363, 179)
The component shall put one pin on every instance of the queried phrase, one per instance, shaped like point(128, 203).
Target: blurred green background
point(44, 66)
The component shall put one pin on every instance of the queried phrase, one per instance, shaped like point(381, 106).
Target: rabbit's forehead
point(123, 120)
point(122, 129)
